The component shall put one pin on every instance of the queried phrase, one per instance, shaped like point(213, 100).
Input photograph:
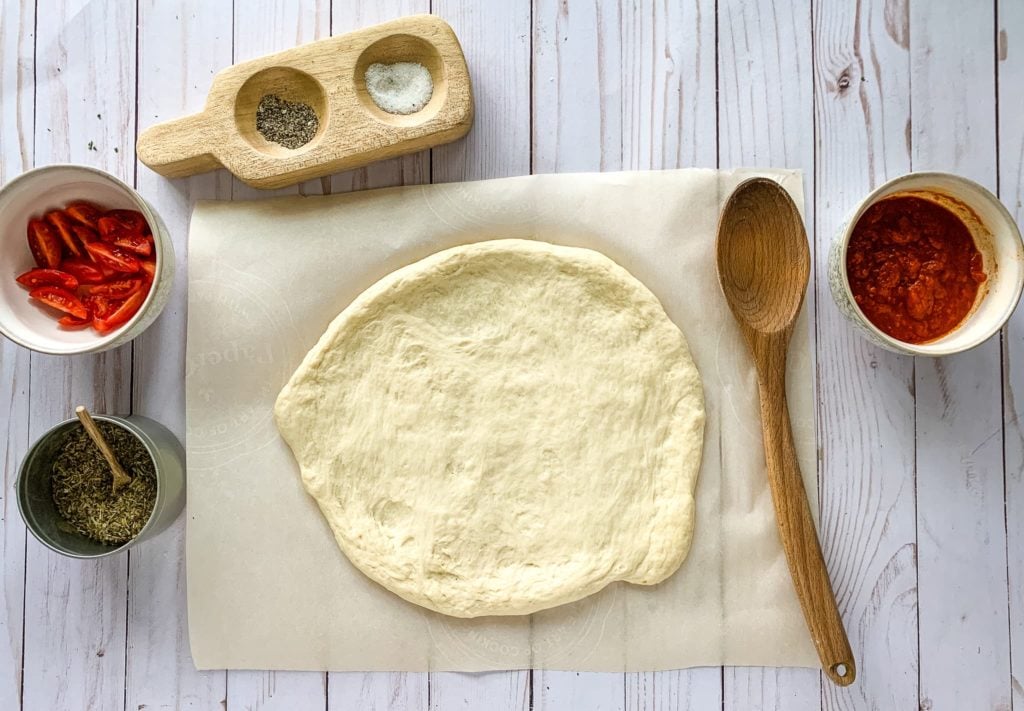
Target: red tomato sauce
point(913, 268)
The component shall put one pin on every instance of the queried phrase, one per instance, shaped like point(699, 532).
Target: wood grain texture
point(17, 61)
point(576, 107)
point(398, 691)
point(768, 689)
point(495, 691)
point(495, 38)
point(267, 26)
point(960, 499)
point(352, 131)
point(180, 47)
point(866, 410)
point(646, 99)
point(765, 116)
point(261, 28)
point(699, 688)
point(75, 622)
point(764, 263)
point(618, 87)
point(1010, 68)
point(555, 690)
point(347, 15)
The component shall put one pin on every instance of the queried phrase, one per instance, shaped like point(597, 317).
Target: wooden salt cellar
point(328, 75)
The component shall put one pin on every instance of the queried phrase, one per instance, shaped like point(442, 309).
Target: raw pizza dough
point(501, 428)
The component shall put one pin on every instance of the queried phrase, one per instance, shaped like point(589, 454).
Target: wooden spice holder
point(329, 76)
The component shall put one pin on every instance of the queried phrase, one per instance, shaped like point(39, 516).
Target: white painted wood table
point(920, 461)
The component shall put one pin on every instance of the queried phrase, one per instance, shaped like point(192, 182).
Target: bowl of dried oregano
point(71, 499)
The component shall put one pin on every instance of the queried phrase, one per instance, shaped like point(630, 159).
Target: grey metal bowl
point(35, 499)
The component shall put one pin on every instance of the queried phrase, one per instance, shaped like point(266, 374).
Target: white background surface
point(920, 461)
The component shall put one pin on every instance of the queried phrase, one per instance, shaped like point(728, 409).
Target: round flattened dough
point(501, 428)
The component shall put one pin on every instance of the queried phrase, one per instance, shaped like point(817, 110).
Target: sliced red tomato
point(114, 257)
point(148, 267)
point(132, 220)
point(121, 315)
point(48, 277)
point(140, 244)
point(111, 228)
point(85, 234)
point(60, 299)
point(100, 306)
point(85, 272)
point(70, 323)
point(44, 244)
point(63, 224)
point(84, 213)
point(116, 289)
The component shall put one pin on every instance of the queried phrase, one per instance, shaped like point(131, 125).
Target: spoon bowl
point(763, 258)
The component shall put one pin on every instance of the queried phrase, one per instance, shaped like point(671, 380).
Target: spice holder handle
point(181, 147)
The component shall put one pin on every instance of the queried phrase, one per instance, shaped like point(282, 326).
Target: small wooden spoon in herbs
point(94, 501)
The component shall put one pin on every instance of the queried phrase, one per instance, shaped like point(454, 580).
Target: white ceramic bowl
point(54, 186)
point(996, 236)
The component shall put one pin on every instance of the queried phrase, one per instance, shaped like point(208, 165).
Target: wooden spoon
point(121, 477)
point(763, 265)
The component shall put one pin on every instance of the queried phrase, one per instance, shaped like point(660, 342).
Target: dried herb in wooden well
point(83, 485)
point(291, 124)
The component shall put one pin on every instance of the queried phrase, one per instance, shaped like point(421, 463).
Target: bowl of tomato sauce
point(88, 263)
point(928, 264)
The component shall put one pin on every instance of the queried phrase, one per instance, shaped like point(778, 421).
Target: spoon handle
point(796, 527)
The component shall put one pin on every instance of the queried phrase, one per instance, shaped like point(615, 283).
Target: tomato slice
point(70, 323)
point(121, 315)
point(84, 213)
point(111, 229)
point(132, 220)
point(63, 224)
point(44, 243)
point(85, 272)
point(85, 234)
point(140, 244)
point(113, 257)
point(148, 267)
point(48, 277)
point(117, 289)
point(60, 299)
point(99, 306)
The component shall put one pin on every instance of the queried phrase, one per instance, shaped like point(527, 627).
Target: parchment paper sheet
point(268, 587)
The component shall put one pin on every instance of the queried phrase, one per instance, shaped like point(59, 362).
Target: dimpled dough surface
point(501, 428)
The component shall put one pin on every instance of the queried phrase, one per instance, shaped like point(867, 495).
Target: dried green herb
point(83, 485)
point(291, 124)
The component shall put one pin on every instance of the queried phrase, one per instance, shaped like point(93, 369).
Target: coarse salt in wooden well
point(399, 88)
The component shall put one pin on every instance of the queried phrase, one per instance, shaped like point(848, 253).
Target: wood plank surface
point(577, 123)
point(269, 26)
point(618, 88)
point(866, 412)
point(17, 67)
point(260, 28)
point(1010, 102)
point(180, 48)
point(405, 691)
point(495, 38)
point(765, 117)
point(920, 461)
point(75, 611)
point(348, 15)
point(960, 492)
